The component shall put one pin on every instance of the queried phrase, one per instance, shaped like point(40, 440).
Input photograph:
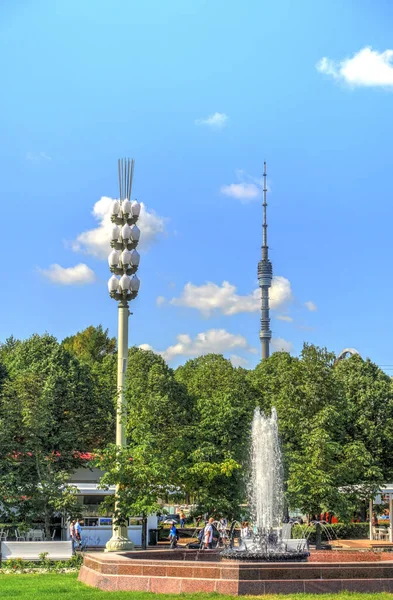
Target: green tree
point(95, 348)
point(336, 427)
point(150, 467)
point(46, 422)
point(368, 423)
point(221, 407)
point(91, 345)
point(311, 409)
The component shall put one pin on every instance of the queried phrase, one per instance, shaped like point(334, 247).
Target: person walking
point(78, 533)
point(182, 518)
point(208, 534)
point(173, 536)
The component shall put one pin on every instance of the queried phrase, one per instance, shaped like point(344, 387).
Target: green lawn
point(53, 586)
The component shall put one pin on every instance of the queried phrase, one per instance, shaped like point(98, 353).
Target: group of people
point(76, 533)
point(206, 535)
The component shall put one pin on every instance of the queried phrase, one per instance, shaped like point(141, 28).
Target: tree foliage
point(150, 467)
point(221, 406)
point(335, 424)
point(188, 430)
point(46, 423)
point(96, 349)
point(91, 345)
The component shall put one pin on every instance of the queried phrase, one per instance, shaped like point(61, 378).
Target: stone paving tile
point(206, 573)
point(362, 585)
point(154, 570)
point(134, 583)
point(254, 588)
point(322, 586)
point(162, 585)
point(198, 585)
point(229, 572)
point(108, 583)
point(290, 573)
point(252, 574)
point(226, 586)
point(283, 587)
point(130, 569)
point(181, 571)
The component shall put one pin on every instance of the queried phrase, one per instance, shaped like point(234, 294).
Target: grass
point(54, 586)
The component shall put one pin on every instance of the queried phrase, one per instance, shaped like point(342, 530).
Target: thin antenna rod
point(264, 237)
point(126, 172)
point(265, 275)
point(119, 172)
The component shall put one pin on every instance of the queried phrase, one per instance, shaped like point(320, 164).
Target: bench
point(32, 550)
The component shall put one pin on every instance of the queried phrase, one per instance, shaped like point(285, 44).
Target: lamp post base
point(119, 541)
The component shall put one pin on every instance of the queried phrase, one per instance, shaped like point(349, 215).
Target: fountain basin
point(271, 556)
point(184, 571)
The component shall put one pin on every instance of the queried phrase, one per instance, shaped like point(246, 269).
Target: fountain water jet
point(266, 498)
point(266, 489)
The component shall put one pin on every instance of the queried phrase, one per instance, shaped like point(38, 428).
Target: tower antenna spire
point(264, 226)
point(265, 275)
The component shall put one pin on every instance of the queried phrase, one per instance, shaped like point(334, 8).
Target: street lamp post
point(123, 286)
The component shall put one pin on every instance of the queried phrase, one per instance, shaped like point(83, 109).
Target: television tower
point(265, 275)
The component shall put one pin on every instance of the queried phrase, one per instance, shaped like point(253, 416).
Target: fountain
point(254, 568)
point(265, 542)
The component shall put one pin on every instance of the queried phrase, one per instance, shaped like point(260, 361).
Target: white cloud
point(367, 68)
point(146, 347)
point(238, 361)
point(214, 340)
point(216, 120)
point(37, 156)
point(160, 300)
point(210, 297)
point(78, 275)
point(280, 292)
point(311, 306)
point(97, 241)
point(286, 318)
point(241, 191)
point(281, 345)
point(247, 188)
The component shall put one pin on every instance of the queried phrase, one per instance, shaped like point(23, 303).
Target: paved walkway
point(361, 544)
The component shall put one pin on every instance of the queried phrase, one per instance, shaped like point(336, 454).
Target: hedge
point(341, 531)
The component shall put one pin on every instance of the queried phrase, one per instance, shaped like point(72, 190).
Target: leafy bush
point(341, 531)
point(74, 562)
point(20, 565)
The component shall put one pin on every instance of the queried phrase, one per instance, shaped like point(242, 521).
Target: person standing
point(72, 534)
point(244, 530)
point(208, 534)
point(182, 518)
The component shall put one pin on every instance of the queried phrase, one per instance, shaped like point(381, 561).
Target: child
point(173, 536)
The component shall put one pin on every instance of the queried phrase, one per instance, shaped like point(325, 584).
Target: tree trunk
point(363, 513)
point(318, 536)
point(47, 520)
point(144, 533)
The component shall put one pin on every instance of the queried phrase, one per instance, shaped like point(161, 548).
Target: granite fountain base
point(181, 571)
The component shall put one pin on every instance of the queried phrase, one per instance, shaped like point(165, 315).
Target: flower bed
point(44, 565)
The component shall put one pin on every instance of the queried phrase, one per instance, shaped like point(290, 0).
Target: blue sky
point(84, 83)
